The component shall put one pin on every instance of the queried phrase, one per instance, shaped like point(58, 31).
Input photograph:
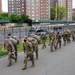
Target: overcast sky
point(5, 5)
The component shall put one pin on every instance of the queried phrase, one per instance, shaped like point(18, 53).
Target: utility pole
point(56, 12)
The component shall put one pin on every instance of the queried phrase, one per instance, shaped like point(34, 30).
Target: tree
point(14, 18)
point(26, 19)
point(61, 12)
point(4, 16)
point(52, 13)
point(73, 17)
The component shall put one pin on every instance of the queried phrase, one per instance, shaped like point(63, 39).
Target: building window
point(32, 14)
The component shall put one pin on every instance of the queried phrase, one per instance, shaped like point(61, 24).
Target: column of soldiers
point(30, 45)
point(57, 37)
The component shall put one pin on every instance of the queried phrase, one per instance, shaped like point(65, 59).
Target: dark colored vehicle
point(39, 31)
point(32, 31)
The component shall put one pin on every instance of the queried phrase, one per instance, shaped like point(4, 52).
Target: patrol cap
point(25, 36)
point(9, 34)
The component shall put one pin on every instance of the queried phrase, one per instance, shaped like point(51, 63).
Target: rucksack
point(13, 41)
point(16, 38)
point(33, 41)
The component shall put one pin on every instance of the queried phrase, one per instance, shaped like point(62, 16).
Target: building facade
point(16, 6)
point(69, 9)
point(35, 9)
point(0, 6)
point(66, 4)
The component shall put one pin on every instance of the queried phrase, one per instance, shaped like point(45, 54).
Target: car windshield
point(32, 30)
point(40, 31)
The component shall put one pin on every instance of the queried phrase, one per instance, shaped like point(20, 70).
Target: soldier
point(58, 38)
point(53, 41)
point(15, 41)
point(50, 35)
point(34, 44)
point(43, 38)
point(68, 36)
point(11, 51)
point(28, 50)
point(65, 36)
point(73, 34)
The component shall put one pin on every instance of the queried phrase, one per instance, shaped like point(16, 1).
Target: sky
point(5, 5)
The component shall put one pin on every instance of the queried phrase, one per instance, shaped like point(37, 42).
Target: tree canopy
point(61, 12)
point(14, 18)
point(73, 17)
point(4, 16)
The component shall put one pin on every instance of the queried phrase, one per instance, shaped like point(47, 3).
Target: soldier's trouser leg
point(59, 44)
point(25, 62)
point(36, 54)
point(9, 58)
point(42, 45)
point(32, 59)
point(45, 45)
point(51, 47)
point(64, 42)
point(15, 50)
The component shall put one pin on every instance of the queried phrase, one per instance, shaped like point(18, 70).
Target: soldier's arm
point(12, 46)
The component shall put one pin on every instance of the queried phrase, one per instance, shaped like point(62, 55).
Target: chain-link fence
point(20, 32)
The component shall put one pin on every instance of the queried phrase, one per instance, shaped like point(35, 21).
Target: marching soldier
point(65, 36)
point(53, 42)
point(73, 34)
point(50, 35)
point(43, 38)
point(28, 50)
point(11, 51)
point(68, 36)
point(58, 39)
point(34, 44)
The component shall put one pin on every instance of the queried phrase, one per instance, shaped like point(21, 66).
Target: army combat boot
point(32, 65)
point(9, 65)
point(36, 58)
point(24, 68)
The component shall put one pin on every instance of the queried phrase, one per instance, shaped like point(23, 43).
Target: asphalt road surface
point(60, 62)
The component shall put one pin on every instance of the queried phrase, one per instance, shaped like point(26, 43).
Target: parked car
point(31, 31)
point(39, 31)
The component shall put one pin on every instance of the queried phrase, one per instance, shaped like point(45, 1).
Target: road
point(60, 62)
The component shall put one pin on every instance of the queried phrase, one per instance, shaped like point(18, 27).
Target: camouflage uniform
point(11, 51)
point(34, 45)
point(65, 35)
point(50, 35)
point(43, 38)
point(15, 45)
point(58, 39)
point(68, 36)
point(73, 34)
point(28, 50)
point(53, 42)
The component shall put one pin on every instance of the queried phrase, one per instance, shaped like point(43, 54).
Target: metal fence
point(23, 31)
point(19, 31)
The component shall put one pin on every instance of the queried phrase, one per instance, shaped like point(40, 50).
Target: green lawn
point(20, 48)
